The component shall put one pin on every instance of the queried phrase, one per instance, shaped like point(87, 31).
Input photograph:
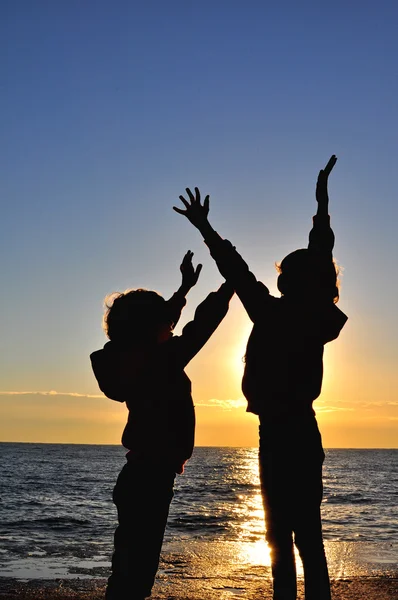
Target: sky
point(109, 110)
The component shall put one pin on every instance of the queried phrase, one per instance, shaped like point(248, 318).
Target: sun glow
point(257, 552)
point(237, 357)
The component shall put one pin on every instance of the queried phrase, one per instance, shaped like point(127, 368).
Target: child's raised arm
point(190, 277)
point(322, 196)
point(208, 316)
point(321, 239)
point(231, 265)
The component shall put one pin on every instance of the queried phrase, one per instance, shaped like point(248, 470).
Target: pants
point(142, 496)
point(290, 461)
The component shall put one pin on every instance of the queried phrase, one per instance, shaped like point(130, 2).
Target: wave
point(352, 498)
point(58, 523)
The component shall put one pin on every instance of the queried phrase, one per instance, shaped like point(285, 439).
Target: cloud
point(355, 405)
point(50, 393)
point(242, 403)
point(325, 409)
point(381, 403)
point(223, 404)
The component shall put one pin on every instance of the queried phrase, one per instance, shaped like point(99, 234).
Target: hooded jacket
point(284, 356)
point(161, 421)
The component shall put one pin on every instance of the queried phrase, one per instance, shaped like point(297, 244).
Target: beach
point(358, 588)
point(224, 571)
point(57, 525)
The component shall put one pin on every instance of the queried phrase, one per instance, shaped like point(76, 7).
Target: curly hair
point(135, 316)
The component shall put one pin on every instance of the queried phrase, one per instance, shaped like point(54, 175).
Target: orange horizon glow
point(357, 409)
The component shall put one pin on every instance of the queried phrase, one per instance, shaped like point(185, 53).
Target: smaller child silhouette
point(143, 365)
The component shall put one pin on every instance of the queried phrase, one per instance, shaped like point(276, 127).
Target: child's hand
point(327, 170)
point(190, 275)
point(195, 212)
point(322, 185)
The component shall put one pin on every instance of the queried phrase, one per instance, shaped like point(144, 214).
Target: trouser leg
point(142, 499)
point(291, 458)
point(308, 534)
point(316, 576)
point(279, 535)
point(282, 564)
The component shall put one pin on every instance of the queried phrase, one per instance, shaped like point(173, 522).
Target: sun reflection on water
point(255, 553)
point(253, 549)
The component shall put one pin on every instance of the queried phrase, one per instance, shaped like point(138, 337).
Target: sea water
point(56, 502)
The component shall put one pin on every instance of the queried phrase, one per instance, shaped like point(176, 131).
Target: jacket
point(156, 389)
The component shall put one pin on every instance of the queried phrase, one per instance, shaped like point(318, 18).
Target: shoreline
point(213, 571)
point(354, 588)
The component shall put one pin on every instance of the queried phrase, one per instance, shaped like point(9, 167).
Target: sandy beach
point(356, 588)
point(222, 571)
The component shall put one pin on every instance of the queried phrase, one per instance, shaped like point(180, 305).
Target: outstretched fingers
point(187, 257)
point(190, 275)
point(179, 210)
point(185, 203)
point(198, 270)
point(190, 194)
point(195, 211)
point(193, 197)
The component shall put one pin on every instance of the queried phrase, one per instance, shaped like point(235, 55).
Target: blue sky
point(110, 109)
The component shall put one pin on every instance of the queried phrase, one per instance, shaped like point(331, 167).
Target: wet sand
point(221, 571)
point(356, 588)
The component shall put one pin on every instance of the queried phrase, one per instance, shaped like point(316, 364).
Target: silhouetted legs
point(142, 496)
point(276, 494)
point(290, 461)
point(308, 539)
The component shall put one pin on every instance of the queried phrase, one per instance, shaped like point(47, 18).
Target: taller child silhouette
point(282, 377)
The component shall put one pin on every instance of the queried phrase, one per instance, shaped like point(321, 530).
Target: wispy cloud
point(223, 404)
point(325, 409)
point(49, 393)
point(213, 402)
point(357, 405)
point(380, 403)
point(242, 403)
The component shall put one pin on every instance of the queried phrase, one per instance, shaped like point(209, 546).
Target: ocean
point(57, 518)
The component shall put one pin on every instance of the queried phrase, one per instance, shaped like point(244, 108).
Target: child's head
point(137, 317)
point(303, 275)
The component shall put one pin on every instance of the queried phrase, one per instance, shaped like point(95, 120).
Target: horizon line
point(199, 446)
